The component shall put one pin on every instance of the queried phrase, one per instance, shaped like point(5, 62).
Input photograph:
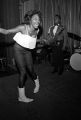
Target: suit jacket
point(59, 37)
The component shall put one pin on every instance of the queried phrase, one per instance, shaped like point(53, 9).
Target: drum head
point(75, 61)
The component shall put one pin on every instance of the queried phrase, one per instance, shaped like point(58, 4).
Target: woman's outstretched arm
point(13, 30)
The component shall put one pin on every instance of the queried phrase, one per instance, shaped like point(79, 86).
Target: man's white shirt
point(55, 29)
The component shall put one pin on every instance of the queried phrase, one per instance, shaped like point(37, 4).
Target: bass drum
point(75, 61)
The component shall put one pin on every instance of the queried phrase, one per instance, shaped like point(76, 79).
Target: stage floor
point(59, 96)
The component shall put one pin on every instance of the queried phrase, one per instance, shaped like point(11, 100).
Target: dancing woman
point(25, 41)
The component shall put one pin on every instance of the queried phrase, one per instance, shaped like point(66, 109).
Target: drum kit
point(75, 59)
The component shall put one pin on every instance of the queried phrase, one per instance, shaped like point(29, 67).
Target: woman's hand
point(44, 40)
point(3, 31)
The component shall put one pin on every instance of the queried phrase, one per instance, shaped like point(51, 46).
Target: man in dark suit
point(58, 41)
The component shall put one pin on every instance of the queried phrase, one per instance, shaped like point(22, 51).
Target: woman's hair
point(29, 15)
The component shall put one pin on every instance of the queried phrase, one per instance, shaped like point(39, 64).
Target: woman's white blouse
point(25, 40)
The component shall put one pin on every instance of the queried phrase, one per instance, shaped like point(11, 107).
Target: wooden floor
point(59, 97)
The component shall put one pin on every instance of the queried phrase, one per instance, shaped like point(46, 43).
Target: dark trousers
point(58, 59)
point(24, 63)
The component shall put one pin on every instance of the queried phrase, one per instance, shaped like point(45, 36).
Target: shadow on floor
point(7, 71)
point(59, 97)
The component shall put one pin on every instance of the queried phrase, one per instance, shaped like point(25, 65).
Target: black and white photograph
point(40, 59)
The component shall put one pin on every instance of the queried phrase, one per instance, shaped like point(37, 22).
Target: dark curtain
point(9, 17)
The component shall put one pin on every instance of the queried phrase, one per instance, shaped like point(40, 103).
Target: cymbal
point(74, 36)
